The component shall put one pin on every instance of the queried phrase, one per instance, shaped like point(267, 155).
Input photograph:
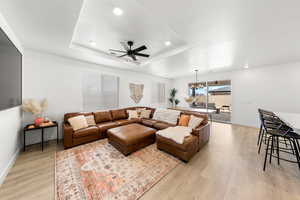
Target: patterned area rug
point(97, 171)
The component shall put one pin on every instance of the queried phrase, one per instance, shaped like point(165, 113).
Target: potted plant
point(172, 98)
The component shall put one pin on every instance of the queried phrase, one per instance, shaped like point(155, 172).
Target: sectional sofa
point(107, 120)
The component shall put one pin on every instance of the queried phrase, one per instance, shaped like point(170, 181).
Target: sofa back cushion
point(119, 114)
point(167, 115)
point(102, 116)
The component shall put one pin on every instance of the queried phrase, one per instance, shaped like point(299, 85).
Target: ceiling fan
point(132, 53)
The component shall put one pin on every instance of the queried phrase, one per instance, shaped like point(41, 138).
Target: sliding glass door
point(214, 97)
point(219, 99)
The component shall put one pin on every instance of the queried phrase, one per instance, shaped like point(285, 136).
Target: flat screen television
point(10, 73)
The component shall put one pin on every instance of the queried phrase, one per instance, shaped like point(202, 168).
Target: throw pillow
point(194, 121)
point(184, 120)
point(78, 122)
point(145, 114)
point(90, 120)
point(132, 114)
point(139, 110)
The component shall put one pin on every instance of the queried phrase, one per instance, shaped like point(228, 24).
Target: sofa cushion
point(103, 127)
point(162, 125)
point(122, 122)
point(103, 116)
point(149, 122)
point(118, 114)
point(78, 122)
point(85, 132)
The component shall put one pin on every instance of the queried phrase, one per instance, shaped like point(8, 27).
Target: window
point(158, 93)
point(99, 91)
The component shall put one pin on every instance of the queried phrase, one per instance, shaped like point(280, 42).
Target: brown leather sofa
point(106, 120)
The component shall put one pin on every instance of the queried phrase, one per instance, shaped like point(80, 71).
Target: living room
point(106, 60)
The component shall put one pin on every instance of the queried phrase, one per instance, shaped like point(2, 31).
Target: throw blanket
point(177, 133)
point(166, 115)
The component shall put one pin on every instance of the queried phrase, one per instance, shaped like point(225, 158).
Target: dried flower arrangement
point(35, 107)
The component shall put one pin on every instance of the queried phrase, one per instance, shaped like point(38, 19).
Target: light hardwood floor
point(227, 168)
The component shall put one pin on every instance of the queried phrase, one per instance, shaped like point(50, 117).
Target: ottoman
point(131, 137)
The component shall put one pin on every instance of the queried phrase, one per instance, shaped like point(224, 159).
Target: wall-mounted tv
point(10, 73)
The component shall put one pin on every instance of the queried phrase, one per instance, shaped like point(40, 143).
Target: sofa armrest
point(68, 135)
point(203, 133)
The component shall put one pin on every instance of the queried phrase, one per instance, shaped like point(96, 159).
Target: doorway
point(213, 96)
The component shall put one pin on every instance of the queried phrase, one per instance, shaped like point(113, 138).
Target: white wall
point(10, 121)
point(59, 80)
point(275, 88)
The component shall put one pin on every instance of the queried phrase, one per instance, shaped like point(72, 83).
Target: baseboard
point(9, 166)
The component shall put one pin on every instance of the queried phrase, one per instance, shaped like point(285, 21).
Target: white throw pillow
point(166, 115)
point(78, 122)
point(145, 114)
point(195, 121)
point(139, 110)
point(132, 114)
point(90, 120)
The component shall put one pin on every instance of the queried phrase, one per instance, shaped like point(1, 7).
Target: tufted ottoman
point(131, 137)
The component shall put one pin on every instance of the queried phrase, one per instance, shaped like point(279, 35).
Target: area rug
point(97, 171)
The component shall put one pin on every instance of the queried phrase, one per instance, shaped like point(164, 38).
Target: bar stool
point(274, 131)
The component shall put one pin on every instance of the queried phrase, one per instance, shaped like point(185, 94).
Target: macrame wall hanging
point(136, 92)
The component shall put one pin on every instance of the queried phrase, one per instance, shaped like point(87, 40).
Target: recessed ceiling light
point(118, 11)
point(93, 43)
point(167, 43)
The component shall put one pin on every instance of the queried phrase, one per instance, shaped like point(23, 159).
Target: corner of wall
point(11, 118)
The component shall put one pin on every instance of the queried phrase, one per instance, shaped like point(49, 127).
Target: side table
point(26, 128)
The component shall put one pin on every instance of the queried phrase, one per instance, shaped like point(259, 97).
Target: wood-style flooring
point(227, 168)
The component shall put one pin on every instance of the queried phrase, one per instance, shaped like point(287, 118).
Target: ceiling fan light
point(93, 43)
point(168, 43)
point(117, 11)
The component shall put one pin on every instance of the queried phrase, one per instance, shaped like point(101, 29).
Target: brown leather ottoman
point(131, 137)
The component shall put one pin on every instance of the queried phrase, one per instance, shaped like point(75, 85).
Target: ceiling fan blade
point(141, 48)
point(122, 55)
point(125, 46)
point(133, 57)
point(141, 54)
point(117, 51)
